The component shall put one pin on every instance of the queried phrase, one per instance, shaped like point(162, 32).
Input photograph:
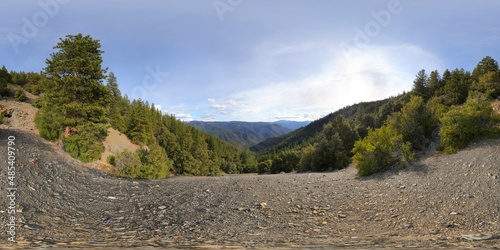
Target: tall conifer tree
point(76, 101)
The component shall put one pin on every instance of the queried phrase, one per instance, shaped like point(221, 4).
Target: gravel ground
point(443, 201)
point(437, 203)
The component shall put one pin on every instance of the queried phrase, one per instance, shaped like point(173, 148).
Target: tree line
point(449, 110)
point(79, 101)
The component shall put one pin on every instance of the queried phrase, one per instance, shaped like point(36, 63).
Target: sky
point(257, 60)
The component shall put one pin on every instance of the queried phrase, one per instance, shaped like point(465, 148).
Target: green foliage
point(111, 160)
point(415, 122)
point(31, 81)
point(145, 163)
point(5, 78)
point(436, 84)
point(332, 150)
point(118, 106)
point(75, 98)
point(155, 163)
point(287, 161)
point(49, 123)
point(20, 96)
point(457, 85)
point(486, 65)
point(436, 105)
point(127, 163)
point(85, 141)
point(380, 149)
point(248, 162)
point(488, 83)
point(468, 123)
point(265, 166)
point(421, 85)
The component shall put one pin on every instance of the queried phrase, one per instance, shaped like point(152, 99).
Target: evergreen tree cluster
point(186, 150)
point(452, 110)
point(78, 107)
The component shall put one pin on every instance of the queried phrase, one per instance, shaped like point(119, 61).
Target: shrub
point(151, 163)
point(286, 161)
point(49, 124)
point(155, 163)
point(112, 160)
point(128, 163)
point(86, 142)
point(20, 96)
point(265, 167)
point(380, 149)
point(471, 122)
point(415, 122)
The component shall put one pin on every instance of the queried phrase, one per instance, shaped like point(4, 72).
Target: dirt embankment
point(443, 201)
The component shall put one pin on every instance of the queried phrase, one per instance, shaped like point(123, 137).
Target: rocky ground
point(443, 201)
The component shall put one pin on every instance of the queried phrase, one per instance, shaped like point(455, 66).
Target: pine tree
point(76, 100)
point(436, 84)
point(5, 78)
point(421, 85)
point(118, 106)
point(486, 77)
point(112, 85)
point(456, 88)
point(486, 65)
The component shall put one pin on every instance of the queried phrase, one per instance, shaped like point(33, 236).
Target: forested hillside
point(79, 100)
point(449, 110)
point(241, 134)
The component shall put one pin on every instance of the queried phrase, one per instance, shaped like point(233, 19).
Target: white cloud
point(372, 74)
point(220, 107)
point(183, 116)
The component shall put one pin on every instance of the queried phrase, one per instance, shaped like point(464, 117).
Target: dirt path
point(62, 203)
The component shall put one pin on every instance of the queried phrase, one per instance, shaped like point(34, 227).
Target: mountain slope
point(293, 125)
point(242, 134)
point(376, 110)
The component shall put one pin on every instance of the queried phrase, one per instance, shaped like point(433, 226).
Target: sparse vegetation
point(20, 96)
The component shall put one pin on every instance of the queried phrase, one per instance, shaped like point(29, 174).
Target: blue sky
point(258, 60)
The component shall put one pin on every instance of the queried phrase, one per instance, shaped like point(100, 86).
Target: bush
point(265, 167)
point(287, 161)
point(471, 122)
point(20, 96)
point(5, 91)
point(49, 124)
point(151, 163)
point(112, 160)
point(128, 163)
point(415, 122)
point(380, 149)
point(155, 163)
point(85, 143)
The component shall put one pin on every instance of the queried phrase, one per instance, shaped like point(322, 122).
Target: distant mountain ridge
point(292, 124)
point(247, 134)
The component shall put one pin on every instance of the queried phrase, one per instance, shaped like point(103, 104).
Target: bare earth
point(443, 201)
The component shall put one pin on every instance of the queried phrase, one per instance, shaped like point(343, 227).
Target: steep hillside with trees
point(79, 101)
point(451, 111)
